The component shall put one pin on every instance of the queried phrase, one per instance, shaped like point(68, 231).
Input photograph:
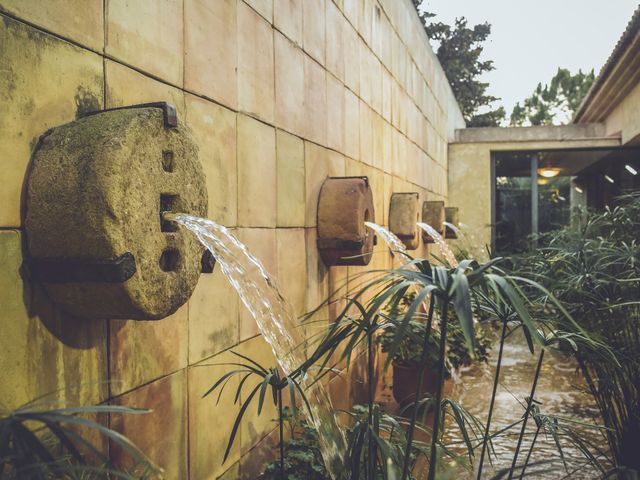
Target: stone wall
point(280, 94)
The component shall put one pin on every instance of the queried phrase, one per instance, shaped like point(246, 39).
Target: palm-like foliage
point(45, 443)
point(262, 383)
point(593, 267)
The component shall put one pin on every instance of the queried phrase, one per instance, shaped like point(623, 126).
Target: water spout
point(439, 241)
point(277, 323)
point(394, 243)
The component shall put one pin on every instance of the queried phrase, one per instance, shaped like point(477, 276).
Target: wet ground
point(561, 392)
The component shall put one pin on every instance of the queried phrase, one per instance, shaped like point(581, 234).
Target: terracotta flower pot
point(405, 382)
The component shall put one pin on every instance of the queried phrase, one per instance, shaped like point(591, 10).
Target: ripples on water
point(561, 391)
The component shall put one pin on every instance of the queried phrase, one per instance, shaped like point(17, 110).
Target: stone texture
point(45, 352)
point(140, 352)
point(291, 252)
point(213, 316)
point(319, 163)
point(315, 101)
point(287, 17)
point(290, 180)
point(162, 433)
point(351, 124)
point(257, 194)
point(32, 103)
point(154, 45)
point(452, 216)
point(214, 129)
point(263, 7)
point(344, 204)
point(62, 18)
point(335, 114)
point(207, 415)
point(289, 90)
point(84, 163)
point(313, 29)
point(404, 213)
point(255, 64)
point(261, 242)
point(336, 24)
point(210, 54)
point(433, 215)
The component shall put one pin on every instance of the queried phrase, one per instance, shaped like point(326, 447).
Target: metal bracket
point(82, 270)
point(168, 112)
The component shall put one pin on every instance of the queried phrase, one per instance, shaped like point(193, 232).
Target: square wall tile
point(263, 7)
point(61, 17)
point(210, 54)
point(206, 415)
point(289, 65)
point(292, 268)
point(257, 194)
point(336, 24)
point(148, 35)
point(366, 133)
point(261, 243)
point(162, 433)
point(290, 181)
point(319, 163)
point(143, 351)
point(45, 352)
point(213, 316)
point(287, 17)
point(255, 64)
point(351, 49)
point(315, 101)
point(351, 124)
point(313, 29)
point(33, 103)
point(125, 86)
point(335, 114)
point(215, 133)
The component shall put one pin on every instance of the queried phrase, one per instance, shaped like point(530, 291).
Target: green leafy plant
point(302, 456)
point(39, 442)
point(268, 384)
point(593, 267)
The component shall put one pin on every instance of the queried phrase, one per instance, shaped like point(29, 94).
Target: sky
point(530, 39)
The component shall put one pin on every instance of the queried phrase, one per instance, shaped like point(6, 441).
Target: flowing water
point(277, 323)
point(439, 241)
point(394, 243)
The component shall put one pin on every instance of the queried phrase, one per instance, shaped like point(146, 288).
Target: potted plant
point(406, 360)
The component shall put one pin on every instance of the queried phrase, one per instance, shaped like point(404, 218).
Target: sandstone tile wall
point(279, 94)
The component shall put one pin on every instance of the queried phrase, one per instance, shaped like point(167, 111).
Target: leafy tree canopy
point(459, 51)
point(555, 102)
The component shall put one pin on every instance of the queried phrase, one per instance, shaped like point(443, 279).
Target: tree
point(555, 102)
point(459, 51)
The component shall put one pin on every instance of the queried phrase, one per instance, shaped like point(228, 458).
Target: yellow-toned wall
point(624, 120)
point(280, 94)
point(470, 182)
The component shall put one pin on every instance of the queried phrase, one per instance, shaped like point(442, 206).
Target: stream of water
point(277, 323)
point(442, 245)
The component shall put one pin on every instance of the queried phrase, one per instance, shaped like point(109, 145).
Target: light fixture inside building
point(548, 172)
point(609, 179)
point(578, 189)
point(631, 170)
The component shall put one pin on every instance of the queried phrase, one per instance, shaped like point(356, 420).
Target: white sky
point(530, 39)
